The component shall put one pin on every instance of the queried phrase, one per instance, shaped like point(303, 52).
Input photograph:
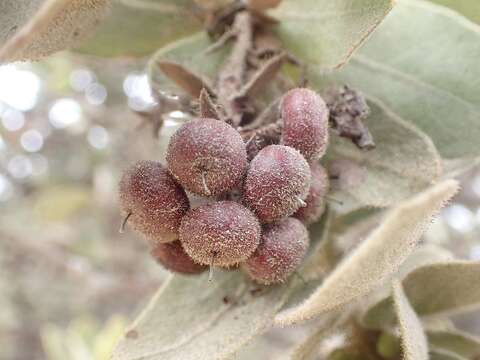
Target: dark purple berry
point(207, 156)
point(305, 122)
point(282, 248)
point(222, 233)
point(277, 182)
point(316, 196)
point(153, 201)
point(174, 258)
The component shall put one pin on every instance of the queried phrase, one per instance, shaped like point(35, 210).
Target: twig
point(232, 76)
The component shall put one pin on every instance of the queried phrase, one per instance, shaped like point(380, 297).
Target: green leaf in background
point(468, 8)
point(30, 30)
point(379, 256)
point(139, 27)
point(326, 32)
point(441, 288)
point(412, 335)
point(192, 318)
point(455, 341)
point(426, 72)
point(403, 163)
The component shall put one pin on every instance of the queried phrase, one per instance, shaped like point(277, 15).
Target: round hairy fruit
point(305, 122)
point(282, 248)
point(316, 196)
point(208, 157)
point(153, 201)
point(174, 258)
point(223, 233)
point(277, 182)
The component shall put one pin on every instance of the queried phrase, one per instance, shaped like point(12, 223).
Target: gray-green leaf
point(191, 318)
point(327, 32)
point(139, 27)
point(426, 72)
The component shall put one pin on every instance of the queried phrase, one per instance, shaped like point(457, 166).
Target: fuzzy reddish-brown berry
point(174, 258)
point(316, 196)
point(153, 201)
point(282, 248)
point(221, 234)
point(305, 122)
point(277, 182)
point(207, 156)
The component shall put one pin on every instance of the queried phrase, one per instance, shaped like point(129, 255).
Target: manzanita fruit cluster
point(256, 201)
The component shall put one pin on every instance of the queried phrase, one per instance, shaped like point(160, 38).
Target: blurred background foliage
point(69, 282)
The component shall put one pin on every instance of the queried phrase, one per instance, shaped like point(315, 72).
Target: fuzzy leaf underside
point(326, 32)
point(426, 72)
point(441, 288)
point(191, 318)
point(379, 256)
point(412, 335)
point(30, 30)
point(403, 163)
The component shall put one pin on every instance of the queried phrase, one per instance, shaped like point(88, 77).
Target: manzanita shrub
point(320, 139)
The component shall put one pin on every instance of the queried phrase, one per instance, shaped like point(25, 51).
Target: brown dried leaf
point(348, 108)
point(375, 259)
point(191, 83)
